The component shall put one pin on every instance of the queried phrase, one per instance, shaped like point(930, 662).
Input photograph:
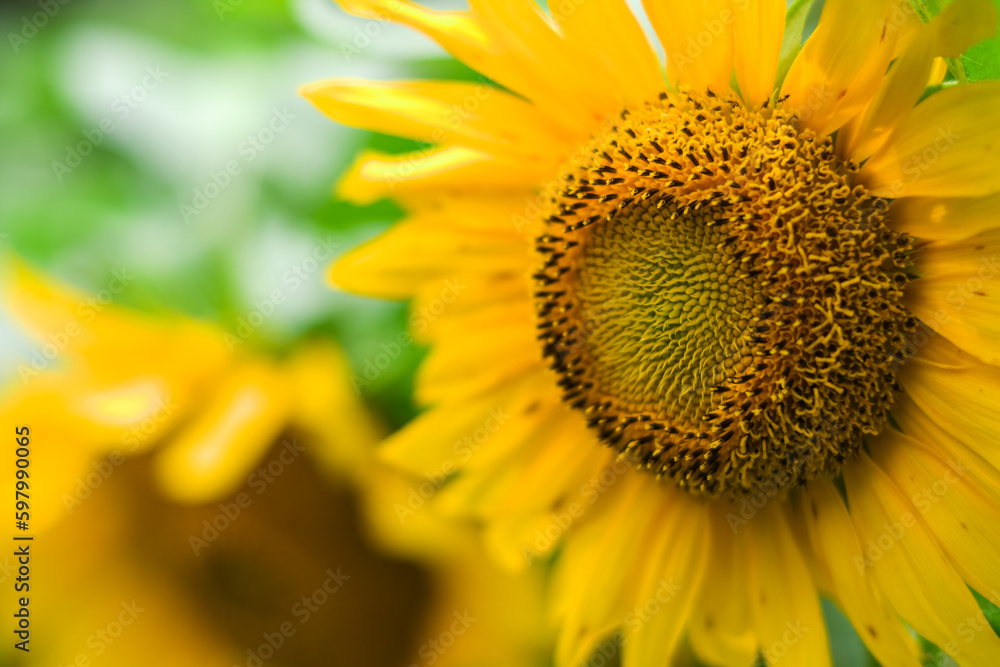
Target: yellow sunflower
point(724, 331)
point(173, 518)
point(117, 383)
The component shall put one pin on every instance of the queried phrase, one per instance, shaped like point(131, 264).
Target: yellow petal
point(907, 564)
point(698, 40)
point(835, 543)
point(671, 575)
point(942, 492)
point(901, 89)
point(919, 425)
point(608, 567)
point(757, 34)
point(412, 178)
point(538, 476)
point(945, 218)
point(783, 599)
point(446, 438)
point(426, 250)
point(842, 63)
point(327, 408)
point(69, 321)
point(479, 116)
point(961, 398)
point(959, 26)
point(513, 44)
point(948, 146)
point(509, 334)
point(721, 628)
point(958, 294)
point(939, 70)
point(64, 472)
point(213, 456)
point(482, 301)
point(624, 51)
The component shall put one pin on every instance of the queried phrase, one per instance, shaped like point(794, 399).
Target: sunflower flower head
point(735, 269)
point(719, 299)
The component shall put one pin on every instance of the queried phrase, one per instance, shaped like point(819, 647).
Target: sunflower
point(721, 332)
point(119, 383)
point(174, 480)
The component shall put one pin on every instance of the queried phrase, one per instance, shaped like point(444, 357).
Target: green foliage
point(982, 61)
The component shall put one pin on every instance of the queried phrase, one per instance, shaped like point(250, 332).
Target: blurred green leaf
point(982, 61)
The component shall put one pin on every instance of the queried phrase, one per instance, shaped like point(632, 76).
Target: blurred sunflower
point(758, 280)
point(129, 464)
point(118, 383)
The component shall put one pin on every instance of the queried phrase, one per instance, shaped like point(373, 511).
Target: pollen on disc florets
point(719, 298)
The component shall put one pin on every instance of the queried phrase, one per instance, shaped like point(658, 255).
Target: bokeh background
point(158, 153)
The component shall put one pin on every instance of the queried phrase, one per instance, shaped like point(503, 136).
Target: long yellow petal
point(445, 373)
point(958, 293)
point(835, 544)
point(676, 564)
point(697, 37)
point(919, 425)
point(948, 146)
point(448, 437)
point(721, 629)
point(957, 512)
point(906, 562)
point(609, 33)
point(945, 218)
point(518, 542)
point(426, 250)
point(842, 63)
point(327, 407)
point(412, 179)
point(757, 33)
point(213, 456)
point(783, 598)
point(606, 565)
point(959, 26)
point(480, 116)
point(957, 396)
point(515, 45)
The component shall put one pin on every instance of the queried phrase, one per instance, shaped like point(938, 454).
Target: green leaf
point(982, 61)
point(800, 21)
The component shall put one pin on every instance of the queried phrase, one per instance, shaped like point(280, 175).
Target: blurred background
point(159, 166)
point(164, 183)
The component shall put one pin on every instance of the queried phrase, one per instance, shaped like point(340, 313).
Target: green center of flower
point(719, 299)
